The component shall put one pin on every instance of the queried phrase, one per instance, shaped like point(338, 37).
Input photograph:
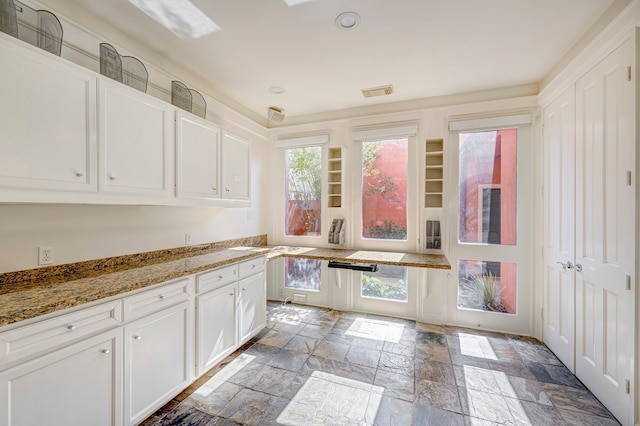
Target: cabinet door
point(252, 306)
point(48, 122)
point(135, 141)
point(197, 152)
point(77, 385)
point(156, 366)
point(236, 176)
point(216, 326)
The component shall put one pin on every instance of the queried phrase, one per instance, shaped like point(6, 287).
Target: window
point(303, 191)
point(488, 187)
point(487, 286)
point(389, 283)
point(384, 189)
point(303, 274)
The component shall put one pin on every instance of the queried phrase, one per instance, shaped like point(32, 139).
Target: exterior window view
point(487, 216)
point(303, 195)
point(384, 189)
point(487, 286)
point(303, 274)
point(389, 283)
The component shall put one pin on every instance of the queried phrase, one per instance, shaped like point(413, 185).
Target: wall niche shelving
point(433, 173)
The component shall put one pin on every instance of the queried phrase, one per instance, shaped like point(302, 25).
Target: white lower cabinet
point(157, 360)
point(118, 362)
point(252, 305)
point(216, 326)
point(229, 311)
point(77, 385)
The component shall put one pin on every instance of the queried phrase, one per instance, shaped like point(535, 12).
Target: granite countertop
point(416, 260)
point(28, 294)
point(27, 299)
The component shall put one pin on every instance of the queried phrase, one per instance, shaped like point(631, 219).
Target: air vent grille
point(377, 91)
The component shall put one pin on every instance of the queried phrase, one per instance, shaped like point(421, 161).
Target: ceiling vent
point(275, 114)
point(377, 91)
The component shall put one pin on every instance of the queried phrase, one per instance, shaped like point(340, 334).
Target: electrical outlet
point(187, 239)
point(45, 255)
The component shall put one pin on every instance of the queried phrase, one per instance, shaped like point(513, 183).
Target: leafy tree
point(304, 182)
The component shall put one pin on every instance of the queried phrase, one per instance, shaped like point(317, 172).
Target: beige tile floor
point(316, 366)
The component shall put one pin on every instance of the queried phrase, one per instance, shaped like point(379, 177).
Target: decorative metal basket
point(125, 69)
point(188, 99)
point(40, 28)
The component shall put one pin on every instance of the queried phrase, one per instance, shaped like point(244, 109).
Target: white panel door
point(48, 122)
point(216, 326)
point(157, 359)
point(135, 141)
point(236, 159)
point(76, 385)
point(197, 152)
point(605, 231)
point(559, 248)
point(252, 305)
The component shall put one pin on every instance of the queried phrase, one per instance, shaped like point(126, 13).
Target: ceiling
point(426, 49)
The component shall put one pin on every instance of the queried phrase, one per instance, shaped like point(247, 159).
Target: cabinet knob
point(253, 266)
point(105, 351)
point(79, 174)
point(71, 327)
point(112, 177)
point(213, 188)
point(136, 337)
point(230, 294)
point(162, 297)
point(227, 189)
point(244, 289)
point(219, 277)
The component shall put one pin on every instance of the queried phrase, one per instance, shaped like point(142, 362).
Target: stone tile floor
point(316, 366)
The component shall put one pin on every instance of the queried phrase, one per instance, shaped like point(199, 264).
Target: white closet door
point(605, 230)
point(559, 249)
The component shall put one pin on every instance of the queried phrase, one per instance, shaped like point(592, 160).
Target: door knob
point(566, 266)
point(578, 267)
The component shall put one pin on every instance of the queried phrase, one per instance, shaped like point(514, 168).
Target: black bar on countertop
point(354, 266)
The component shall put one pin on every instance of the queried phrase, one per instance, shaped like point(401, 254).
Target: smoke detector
point(377, 91)
point(275, 114)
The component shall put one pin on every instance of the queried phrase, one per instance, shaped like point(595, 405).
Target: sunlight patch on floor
point(329, 399)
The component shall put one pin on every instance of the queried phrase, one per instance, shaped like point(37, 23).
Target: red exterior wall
point(391, 161)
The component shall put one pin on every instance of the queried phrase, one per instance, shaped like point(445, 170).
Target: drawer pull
point(136, 337)
point(105, 351)
point(71, 327)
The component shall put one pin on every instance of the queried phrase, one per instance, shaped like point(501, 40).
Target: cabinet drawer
point(47, 334)
point(251, 267)
point(156, 299)
point(217, 278)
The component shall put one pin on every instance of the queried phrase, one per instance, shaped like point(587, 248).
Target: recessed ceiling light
point(347, 20)
point(276, 90)
point(181, 17)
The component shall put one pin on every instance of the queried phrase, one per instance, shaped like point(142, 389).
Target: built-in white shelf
point(334, 170)
point(434, 172)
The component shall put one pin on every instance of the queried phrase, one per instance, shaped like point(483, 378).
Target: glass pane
point(302, 274)
point(487, 286)
point(384, 189)
point(389, 282)
point(488, 187)
point(303, 191)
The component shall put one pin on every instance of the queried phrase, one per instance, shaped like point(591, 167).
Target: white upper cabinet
point(236, 159)
point(197, 156)
point(48, 122)
point(135, 139)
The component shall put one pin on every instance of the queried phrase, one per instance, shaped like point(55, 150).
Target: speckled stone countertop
point(416, 260)
point(31, 293)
